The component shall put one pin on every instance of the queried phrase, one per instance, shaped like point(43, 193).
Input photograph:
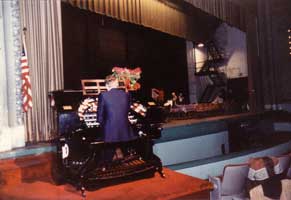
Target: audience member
point(265, 174)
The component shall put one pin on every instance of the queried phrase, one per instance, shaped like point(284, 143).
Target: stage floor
point(174, 186)
point(182, 122)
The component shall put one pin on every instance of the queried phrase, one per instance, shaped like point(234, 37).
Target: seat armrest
point(289, 173)
point(215, 194)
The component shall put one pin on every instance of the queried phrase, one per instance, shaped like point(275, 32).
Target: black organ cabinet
point(80, 152)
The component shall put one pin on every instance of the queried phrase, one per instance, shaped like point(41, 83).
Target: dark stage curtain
point(94, 43)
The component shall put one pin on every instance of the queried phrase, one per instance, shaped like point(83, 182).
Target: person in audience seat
point(265, 180)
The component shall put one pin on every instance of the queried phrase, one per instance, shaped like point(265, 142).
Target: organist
point(112, 114)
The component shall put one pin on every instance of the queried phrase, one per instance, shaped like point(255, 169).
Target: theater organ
point(80, 148)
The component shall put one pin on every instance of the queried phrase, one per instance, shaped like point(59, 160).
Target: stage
point(173, 130)
point(174, 186)
point(184, 122)
point(24, 173)
point(191, 135)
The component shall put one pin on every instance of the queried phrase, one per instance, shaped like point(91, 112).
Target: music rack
point(94, 87)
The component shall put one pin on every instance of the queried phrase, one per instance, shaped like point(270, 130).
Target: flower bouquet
point(128, 76)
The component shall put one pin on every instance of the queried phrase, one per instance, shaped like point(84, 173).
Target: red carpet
point(175, 185)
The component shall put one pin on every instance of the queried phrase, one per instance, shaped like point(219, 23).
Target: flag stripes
point(26, 86)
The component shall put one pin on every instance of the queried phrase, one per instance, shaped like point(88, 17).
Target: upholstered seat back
point(234, 179)
point(284, 162)
point(289, 172)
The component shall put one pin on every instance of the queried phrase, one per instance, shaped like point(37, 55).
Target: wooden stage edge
point(175, 186)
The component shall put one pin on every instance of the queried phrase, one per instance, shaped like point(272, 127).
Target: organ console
point(80, 158)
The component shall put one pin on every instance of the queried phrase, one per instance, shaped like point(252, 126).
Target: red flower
point(129, 76)
point(117, 69)
point(136, 70)
point(136, 86)
point(127, 83)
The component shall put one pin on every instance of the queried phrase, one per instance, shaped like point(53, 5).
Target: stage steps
point(23, 169)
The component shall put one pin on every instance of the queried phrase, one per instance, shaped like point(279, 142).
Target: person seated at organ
point(218, 99)
point(265, 175)
point(174, 99)
point(112, 114)
point(181, 99)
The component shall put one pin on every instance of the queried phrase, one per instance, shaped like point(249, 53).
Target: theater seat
point(284, 162)
point(232, 183)
point(289, 173)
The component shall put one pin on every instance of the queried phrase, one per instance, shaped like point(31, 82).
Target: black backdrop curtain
point(93, 44)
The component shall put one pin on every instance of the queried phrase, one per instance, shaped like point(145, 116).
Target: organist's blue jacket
point(112, 114)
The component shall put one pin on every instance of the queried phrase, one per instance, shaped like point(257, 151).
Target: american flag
point(26, 86)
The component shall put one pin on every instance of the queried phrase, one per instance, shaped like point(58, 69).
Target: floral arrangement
point(128, 76)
